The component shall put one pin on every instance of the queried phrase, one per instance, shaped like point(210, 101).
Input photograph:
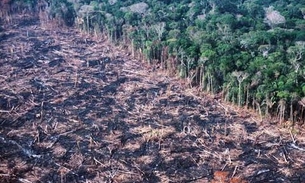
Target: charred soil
point(74, 108)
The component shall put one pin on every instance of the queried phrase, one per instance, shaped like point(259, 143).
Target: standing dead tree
point(84, 17)
point(159, 29)
point(264, 49)
point(273, 17)
point(5, 11)
point(240, 76)
point(269, 104)
point(302, 104)
point(281, 110)
point(296, 54)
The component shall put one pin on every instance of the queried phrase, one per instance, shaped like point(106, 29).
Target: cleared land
point(76, 109)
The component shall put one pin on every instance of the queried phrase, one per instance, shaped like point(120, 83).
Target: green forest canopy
point(250, 51)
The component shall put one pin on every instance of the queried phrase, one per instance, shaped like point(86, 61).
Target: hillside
point(75, 108)
point(250, 51)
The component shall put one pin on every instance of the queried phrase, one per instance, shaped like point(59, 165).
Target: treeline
point(249, 52)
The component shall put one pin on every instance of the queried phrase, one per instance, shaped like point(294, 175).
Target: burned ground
point(74, 108)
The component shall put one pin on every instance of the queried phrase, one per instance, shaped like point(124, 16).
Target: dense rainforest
point(248, 52)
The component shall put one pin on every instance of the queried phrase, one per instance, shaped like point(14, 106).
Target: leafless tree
point(83, 16)
point(240, 76)
point(5, 11)
point(296, 54)
point(202, 62)
point(269, 104)
point(212, 4)
point(225, 31)
point(273, 17)
point(140, 8)
point(264, 49)
point(281, 110)
point(159, 29)
point(302, 103)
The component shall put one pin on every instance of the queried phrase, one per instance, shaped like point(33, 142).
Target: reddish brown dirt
point(76, 109)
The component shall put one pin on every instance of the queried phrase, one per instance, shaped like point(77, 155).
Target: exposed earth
point(74, 108)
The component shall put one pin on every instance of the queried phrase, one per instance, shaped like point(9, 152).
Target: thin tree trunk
point(239, 94)
point(132, 48)
point(247, 97)
point(87, 16)
point(281, 110)
point(291, 112)
point(200, 77)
